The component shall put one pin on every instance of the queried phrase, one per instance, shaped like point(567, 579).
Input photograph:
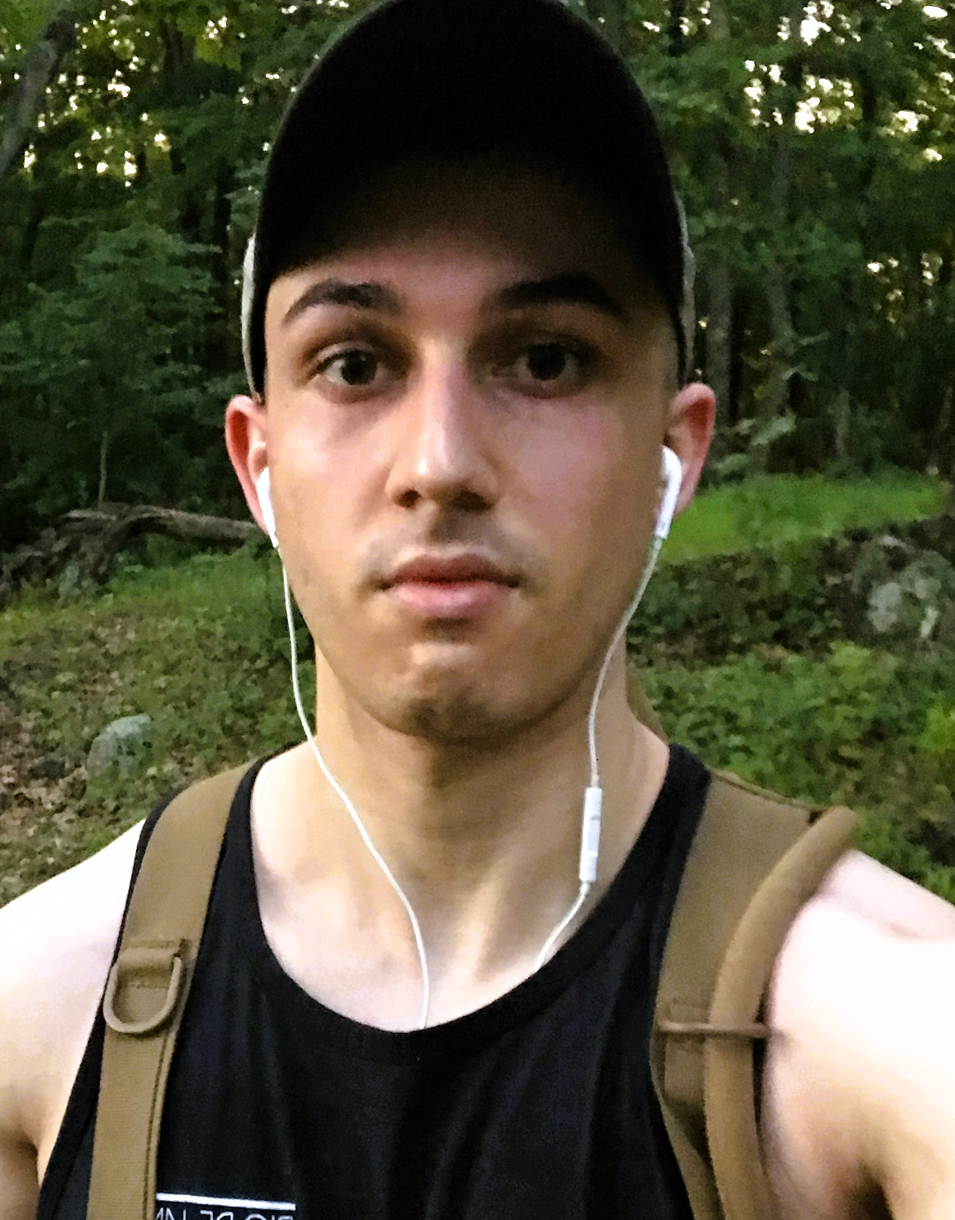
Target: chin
point(451, 717)
point(455, 708)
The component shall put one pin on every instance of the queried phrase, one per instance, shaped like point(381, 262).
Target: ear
point(689, 430)
point(246, 436)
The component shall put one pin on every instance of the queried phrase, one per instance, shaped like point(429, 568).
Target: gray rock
point(885, 606)
point(121, 744)
point(70, 583)
point(909, 595)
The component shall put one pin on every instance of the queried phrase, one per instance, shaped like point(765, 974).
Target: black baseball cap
point(464, 77)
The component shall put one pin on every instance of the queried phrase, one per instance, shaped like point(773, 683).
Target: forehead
point(537, 217)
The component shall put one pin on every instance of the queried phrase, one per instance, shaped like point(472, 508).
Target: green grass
point(789, 508)
point(200, 647)
point(856, 726)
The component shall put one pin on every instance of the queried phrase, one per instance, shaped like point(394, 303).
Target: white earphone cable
point(630, 611)
point(593, 795)
point(353, 812)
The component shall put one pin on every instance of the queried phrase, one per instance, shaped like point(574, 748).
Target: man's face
point(464, 409)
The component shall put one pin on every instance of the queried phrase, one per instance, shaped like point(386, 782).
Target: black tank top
point(538, 1105)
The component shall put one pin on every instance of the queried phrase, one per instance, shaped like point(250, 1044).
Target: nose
point(444, 443)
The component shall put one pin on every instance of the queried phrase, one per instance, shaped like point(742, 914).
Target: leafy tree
point(814, 145)
point(101, 381)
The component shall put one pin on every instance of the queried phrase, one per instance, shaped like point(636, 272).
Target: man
point(467, 343)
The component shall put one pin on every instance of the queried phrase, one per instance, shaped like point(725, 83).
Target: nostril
point(408, 498)
point(471, 501)
point(464, 499)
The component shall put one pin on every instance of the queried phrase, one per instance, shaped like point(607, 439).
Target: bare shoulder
point(56, 943)
point(859, 1083)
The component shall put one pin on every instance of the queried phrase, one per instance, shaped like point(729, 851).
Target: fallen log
point(84, 543)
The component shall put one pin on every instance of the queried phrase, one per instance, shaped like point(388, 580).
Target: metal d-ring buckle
point(143, 958)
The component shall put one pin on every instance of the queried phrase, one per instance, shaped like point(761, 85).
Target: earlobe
point(246, 442)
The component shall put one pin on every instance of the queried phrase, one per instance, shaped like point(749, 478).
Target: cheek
point(315, 488)
point(327, 473)
point(587, 485)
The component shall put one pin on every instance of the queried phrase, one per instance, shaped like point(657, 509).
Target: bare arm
point(859, 1099)
point(55, 947)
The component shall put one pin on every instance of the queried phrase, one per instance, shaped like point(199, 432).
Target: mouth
point(449, 587)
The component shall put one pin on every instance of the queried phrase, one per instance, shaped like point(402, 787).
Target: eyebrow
point(569, 288)
point(371, 296)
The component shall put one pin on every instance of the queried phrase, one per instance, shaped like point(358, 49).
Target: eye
point(353, 368)
point(553, 365)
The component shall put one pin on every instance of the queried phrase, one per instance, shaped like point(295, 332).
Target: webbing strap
point(728, 1076)
point(753, 864)
point(146, 994)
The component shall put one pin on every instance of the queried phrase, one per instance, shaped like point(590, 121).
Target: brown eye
point(547, 361)
point(550, 366)
point(353, 368)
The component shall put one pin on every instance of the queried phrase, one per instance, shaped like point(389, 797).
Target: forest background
point(812, 141)
point(814, 146)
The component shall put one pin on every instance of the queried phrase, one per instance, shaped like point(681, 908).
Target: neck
point(483, 838)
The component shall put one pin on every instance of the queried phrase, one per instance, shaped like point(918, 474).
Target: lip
point(449, 587)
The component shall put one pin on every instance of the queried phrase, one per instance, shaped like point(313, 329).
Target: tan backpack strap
point(729, 1098)
point(146, 992)
point(751, 854)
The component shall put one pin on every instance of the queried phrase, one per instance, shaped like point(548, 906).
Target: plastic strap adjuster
point(753, 1030)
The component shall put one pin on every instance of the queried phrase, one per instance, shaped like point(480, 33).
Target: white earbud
point(672, 472)
point(263, 489)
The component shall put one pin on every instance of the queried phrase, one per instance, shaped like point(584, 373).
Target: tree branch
point(89, 539)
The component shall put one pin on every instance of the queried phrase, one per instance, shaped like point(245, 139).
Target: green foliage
point(196, 645)
point(937, 741)
point(23, 21)
point(728, 604)
point(107, 373)
point(784, 508)
point(785, 721)
point(856, 726)
point(200, 646)
point(817, 173)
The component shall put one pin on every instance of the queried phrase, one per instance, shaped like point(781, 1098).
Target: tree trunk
point(719, 328)
point(719, 275)
point(779, 287)
point(853, 298)
point(221, 353)
point(676, 42)
point(776, 401)
point(719, 20)
point(39, 69)
point(88, 540)
point(103, 454)
point(943, 447)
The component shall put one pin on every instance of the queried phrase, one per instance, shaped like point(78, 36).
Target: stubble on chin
point(468, 717)
point(452, 719)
